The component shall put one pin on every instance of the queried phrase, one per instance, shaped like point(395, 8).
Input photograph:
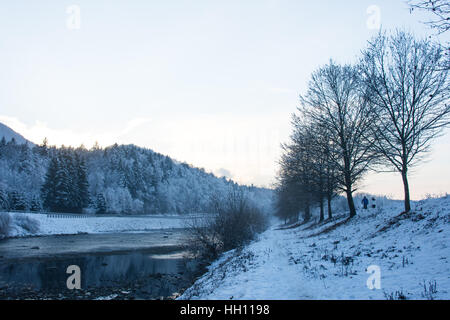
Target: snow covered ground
point(52, 226)
point(411, 253)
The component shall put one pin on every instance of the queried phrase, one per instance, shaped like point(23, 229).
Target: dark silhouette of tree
point(297, 171)
point(335, 102)
point(324, 169)
point(307, 175)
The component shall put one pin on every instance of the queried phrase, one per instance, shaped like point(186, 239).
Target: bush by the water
point(237, 221)
point(5, 224)
point(26, 222)
point(17, 223)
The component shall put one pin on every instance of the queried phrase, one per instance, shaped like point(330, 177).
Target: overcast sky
point(212, 83)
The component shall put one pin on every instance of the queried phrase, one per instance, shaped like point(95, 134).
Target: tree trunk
point(348, 186)
point(330, 215)
point(406, 188)
point(348, 191)
point(322, 213)
point(307, 213)
point(351, 203)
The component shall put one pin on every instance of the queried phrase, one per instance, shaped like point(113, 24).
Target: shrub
point(430, 290)
point(5, 224)
point(26, 222)
point(236, 222)
point(397, 295)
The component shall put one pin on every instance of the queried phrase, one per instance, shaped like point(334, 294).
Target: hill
point(9, 134)
point(121, 179)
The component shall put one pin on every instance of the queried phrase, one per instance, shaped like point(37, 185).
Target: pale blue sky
point(212, 83)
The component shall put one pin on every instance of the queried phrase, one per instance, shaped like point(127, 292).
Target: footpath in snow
point(409, 254)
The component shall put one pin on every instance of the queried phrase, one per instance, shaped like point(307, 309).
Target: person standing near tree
point(365, 202)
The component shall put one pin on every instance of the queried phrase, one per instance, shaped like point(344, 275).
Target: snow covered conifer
point(35, 204)
point(4, 203)
point(48, 190)
point(17, 201)
point(100, 204)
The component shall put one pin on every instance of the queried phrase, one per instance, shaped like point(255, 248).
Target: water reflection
point(96, 270)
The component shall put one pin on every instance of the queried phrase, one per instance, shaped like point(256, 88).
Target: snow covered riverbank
point(331, 260)
point(52, 226)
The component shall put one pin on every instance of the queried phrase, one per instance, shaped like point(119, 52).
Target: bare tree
point(307, 175)
point(287, 207)
point(440, 10)
point(319, 149)
point(297, 170)
point(410, 93)
point(334, 102)
point(324, 168)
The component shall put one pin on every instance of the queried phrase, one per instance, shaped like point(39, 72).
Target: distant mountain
point(10, 134)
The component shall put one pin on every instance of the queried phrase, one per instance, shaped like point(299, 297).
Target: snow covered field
point(53, 226)
point(325, 262)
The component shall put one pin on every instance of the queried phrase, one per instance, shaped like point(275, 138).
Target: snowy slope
point(321, 262)
point(8, 133)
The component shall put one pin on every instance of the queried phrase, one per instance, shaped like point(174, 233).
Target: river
point(151, 265)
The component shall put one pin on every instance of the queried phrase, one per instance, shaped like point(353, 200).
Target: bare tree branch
point(440, 10)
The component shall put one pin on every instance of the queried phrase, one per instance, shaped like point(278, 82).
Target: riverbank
point(32, 224)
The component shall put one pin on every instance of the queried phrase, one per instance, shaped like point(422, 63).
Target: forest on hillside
point(120, 179)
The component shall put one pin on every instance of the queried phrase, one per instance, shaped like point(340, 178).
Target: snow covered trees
point(48, 190)
point(4, 205)
point(121, 179)
point(66, 188)
point(100, 204)
point(17, 201)
point(21, 172)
